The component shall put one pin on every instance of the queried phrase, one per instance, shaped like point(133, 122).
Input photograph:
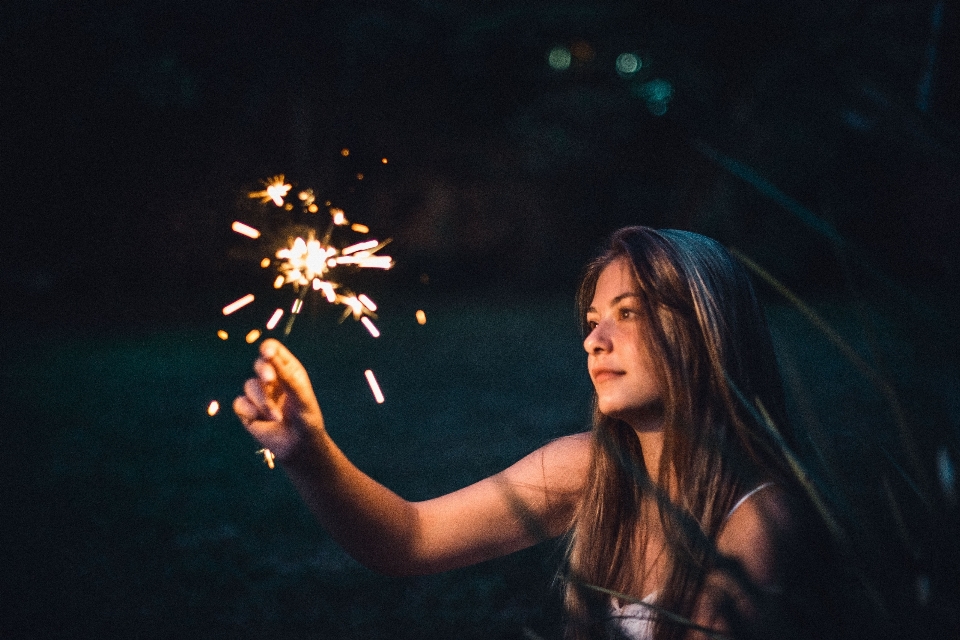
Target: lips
point(602, 375)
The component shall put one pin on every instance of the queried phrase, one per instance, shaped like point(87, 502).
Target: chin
point(647, 417)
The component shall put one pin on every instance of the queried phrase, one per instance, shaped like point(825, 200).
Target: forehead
point(616, 279)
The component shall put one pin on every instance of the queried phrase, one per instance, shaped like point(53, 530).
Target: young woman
point(679, 504)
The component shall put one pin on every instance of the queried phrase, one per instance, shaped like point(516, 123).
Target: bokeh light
point(656, 93)
point(582, 51)
point(559, 58)
point(628, 64)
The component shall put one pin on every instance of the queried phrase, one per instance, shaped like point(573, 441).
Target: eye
point(626, 313)
point(591, 324)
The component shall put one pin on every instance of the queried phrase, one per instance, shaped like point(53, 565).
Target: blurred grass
point(135, 514)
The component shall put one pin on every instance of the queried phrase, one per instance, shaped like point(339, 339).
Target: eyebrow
point(619, 298)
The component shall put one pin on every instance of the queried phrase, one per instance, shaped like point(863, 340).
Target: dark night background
point(822, 140)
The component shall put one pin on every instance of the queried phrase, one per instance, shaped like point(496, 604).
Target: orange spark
point(223, 335)
point(377, 394)
point(274, 319)
point(276, 190)
point(245, 230)
point(367, 302)
point(370, 326)
point(242, 302)
point(360, 246)
point(360, 228)
point(421, 317)
point(253, 336)
point(213, 408)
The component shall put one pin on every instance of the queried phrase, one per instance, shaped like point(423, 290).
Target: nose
point(598, 340)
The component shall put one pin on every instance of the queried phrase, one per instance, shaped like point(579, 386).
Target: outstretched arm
point(513, 509)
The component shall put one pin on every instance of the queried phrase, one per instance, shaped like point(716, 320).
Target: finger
point(288, 369)
point(245, 410)
point(264, 431)
point(265, 371)
point(259, 398)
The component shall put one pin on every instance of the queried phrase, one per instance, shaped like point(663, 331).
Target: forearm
point(372, 523)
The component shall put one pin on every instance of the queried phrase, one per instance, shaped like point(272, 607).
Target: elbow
point(392, 561)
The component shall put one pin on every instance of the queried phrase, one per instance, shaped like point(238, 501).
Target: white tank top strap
point(747, 497)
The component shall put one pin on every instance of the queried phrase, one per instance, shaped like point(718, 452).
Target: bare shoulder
point(551, 479)
point(758, 533)
point(560, 464)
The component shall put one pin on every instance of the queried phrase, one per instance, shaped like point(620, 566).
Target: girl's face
point(617, 356)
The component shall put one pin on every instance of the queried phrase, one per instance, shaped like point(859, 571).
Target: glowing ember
point(213, 408)
point(253, 336)
point(356, 307)
point(364, 259)
point(360, 246)
point(367, 302)
point(265, 263)
point(328, 291)
point(276, 190)
point(242, 302)
point(370, 326)
point(304, 260)
point(245, 230)
point(268, 457)
point(223, 335)
point(377, 394)
point(274, 319)
point(421, 317)
point(360, 228)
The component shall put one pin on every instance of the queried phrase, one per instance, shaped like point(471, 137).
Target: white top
point(634, 620)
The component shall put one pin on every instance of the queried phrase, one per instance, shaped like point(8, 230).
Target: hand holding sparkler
point(279, 407)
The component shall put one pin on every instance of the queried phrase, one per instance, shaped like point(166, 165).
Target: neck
point(648, 425)
point(652, 444)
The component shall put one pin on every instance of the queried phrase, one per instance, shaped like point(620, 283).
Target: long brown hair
point(708, 335)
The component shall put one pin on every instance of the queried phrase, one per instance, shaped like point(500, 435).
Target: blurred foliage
point(132, 127)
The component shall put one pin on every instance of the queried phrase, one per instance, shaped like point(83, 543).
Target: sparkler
point(308, 260)
point(311, 258)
